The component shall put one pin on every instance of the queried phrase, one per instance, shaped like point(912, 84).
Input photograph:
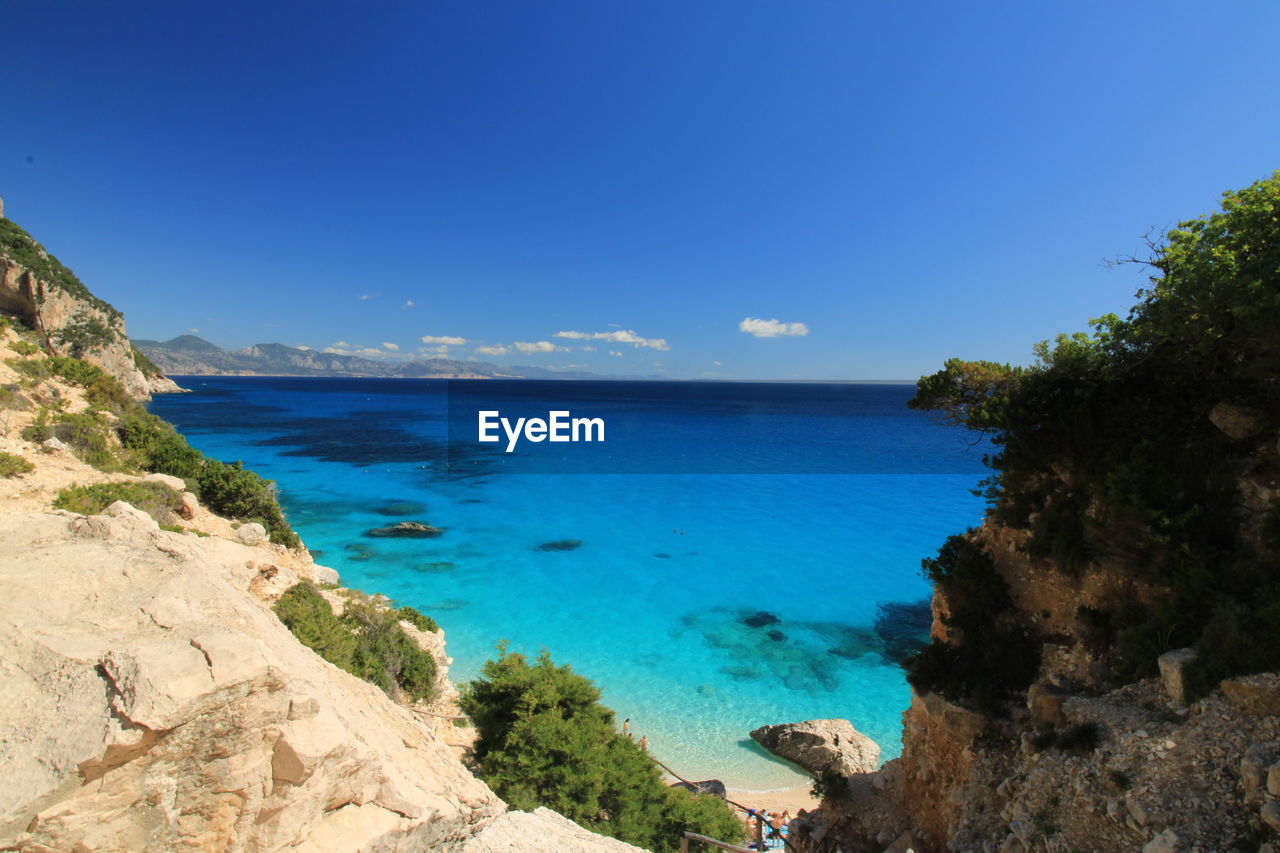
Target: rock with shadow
point(405, 530)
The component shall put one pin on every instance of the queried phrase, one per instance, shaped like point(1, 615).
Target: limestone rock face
point(61, 318)
point(821, 746)
point(152, 702)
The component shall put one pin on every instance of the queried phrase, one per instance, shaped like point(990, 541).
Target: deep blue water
point(707, 504)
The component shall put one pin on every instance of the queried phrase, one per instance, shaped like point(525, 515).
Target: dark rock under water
point(761, 619)
point(714, 787)
point(405, 530)
point(560, 545)
point(400, 508)
point(903, 627)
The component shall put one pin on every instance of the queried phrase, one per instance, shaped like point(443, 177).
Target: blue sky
point(903, 181)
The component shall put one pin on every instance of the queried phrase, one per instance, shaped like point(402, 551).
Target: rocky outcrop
point(153, 701)
point(69, 319)
point(821, 746)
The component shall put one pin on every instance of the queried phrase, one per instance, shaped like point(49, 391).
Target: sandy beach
point(790, 799)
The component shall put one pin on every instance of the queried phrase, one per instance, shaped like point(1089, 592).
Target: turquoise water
point(656, 604)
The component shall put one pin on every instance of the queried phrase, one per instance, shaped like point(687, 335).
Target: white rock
point(54, 445)
point(122, 509)
point(821, 746)
point(1165, 842)
point(252, 533)
point(175, 483)
point(324, 574)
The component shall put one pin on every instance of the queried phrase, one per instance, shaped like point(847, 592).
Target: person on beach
point(626, 727)
point(644, 743)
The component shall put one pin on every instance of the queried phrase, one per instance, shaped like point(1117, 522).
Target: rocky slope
point(70, 320)
point(153, 700)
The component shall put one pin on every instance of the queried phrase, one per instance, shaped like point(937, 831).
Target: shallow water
point(733, 587)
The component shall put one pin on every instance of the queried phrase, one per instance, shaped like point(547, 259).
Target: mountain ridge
point(191, 355)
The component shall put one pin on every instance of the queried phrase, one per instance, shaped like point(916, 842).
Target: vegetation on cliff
point(22, 248)
point(366, 641)
point(1150, 446)
point(545, 740)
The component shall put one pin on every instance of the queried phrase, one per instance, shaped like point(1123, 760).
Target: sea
point(729, 555)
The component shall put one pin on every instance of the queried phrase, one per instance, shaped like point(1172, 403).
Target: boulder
point(821, 746)
point(188, 506)
point(252, 533)
point(54, 445)
point(175, 483)
point(1271, 815)
point(714, 787)
point(122, 509)
point(1256, 695)
point(324, 574)
point(1045, 701)
point(1173, 673)
point(405, 530)
point(1238, 422)
point(1165, 842)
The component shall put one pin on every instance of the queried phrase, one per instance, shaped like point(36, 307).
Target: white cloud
point(408, 303)
point(303, 347)
point(588, 349)
point(622, 336)
point(390, 346)
point(614, 352)
point(448, 340)
point(442, 348)
point(344, 348)
point(771, 328)
point(496, 349)
point(538, 346)
point(717, 364)
point(193, 331)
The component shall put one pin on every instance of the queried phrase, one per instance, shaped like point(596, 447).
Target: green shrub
point(366, 641)
point(418, 620)
point(88, 436)
point(34, 369)
point(544, 739)
point(24, 348)
point(12, 466)
point(156, 499)
point(146, 365)
point(229, 490)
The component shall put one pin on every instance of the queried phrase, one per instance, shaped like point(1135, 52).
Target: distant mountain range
point(190, 355)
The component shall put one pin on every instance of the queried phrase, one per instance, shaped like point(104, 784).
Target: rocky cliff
point(71, 321)
point(1101, 669)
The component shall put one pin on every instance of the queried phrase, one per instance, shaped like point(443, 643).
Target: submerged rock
point(821, 746)
point(435, 566)
point(776, 635)
point(560, 545)
point(761, 619)
point(359, 552)
point(400, 508)
point(405, 530)
point(662, 555)
point(903, 628)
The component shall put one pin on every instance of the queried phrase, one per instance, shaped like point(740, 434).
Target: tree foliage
point(1106, 449)
point(545, 740)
